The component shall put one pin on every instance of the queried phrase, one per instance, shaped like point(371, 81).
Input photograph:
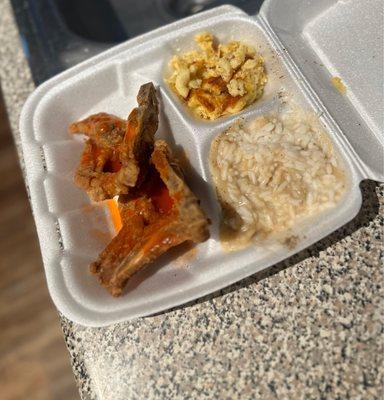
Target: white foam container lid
point(304, 43)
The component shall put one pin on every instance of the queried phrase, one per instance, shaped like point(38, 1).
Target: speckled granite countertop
point(308, 328)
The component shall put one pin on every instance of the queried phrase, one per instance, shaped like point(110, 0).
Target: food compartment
point(234, 28)
point(84, 228)
point(308, 229)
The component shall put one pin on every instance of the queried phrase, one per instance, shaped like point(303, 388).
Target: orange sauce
point(115, 214)
point(161, 200)
point(158, 192)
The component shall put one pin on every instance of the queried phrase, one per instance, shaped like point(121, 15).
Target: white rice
point(275, 169)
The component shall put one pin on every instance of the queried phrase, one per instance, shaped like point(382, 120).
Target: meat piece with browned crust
point(117, 153)
point(159, 214)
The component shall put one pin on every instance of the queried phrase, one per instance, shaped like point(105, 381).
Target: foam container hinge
point(72, 230)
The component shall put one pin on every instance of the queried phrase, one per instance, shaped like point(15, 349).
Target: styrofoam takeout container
point(304, 43)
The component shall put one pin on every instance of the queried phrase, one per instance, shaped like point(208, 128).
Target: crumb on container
point(218, 80)
point(291, 241)
point(339, 84)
